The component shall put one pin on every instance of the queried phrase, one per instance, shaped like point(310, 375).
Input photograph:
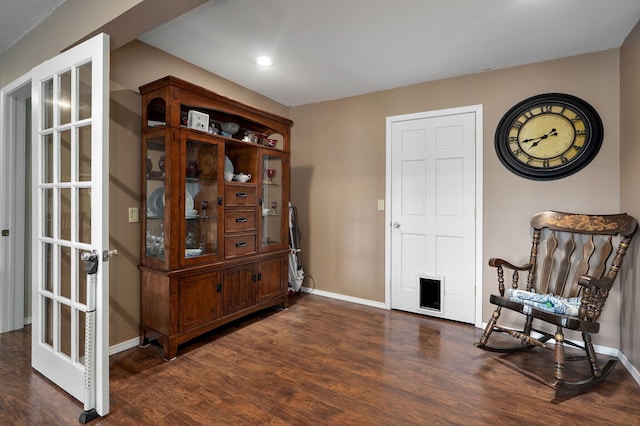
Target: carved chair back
point(569, 250)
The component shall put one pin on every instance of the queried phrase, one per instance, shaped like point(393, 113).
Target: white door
point(14, 119)
point(432, 210)
point(70, 166)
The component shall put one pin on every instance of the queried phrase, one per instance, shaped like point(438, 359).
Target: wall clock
point(548, 136)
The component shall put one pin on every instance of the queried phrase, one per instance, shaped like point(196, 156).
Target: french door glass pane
point(48, 267)
point(84, 91)
point(47, 331)
point(47, 160)
point(65, 156)
point(65, 214)
point(65, 329)
point(47, 211)
point(65, 272)
point(84, 215)
point(84, 153)
point(47, 104)
point(64, 101)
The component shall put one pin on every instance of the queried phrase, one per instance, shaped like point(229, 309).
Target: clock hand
point(553, 132)
point(543, 138)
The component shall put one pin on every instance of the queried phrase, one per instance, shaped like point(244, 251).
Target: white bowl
point(192, 252)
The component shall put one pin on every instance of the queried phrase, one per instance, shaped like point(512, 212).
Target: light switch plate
point(134, 215)
point(380, 205)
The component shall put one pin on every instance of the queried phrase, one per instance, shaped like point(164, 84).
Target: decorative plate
point(207, 160)
point(228, 165)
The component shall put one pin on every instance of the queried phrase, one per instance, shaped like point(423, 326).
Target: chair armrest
point(587, 281)
point(496, 262)
point(593, 297)
point(500, 263)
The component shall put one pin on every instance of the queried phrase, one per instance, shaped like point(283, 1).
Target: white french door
point(432, 232)
point(70, 170)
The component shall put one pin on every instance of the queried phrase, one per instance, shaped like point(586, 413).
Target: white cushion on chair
point(546, 302)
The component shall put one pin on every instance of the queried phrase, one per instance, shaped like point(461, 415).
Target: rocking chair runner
point(557, 278)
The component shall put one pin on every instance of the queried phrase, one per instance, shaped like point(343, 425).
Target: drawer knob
point(241, 219)
point(241, 194)
point(241, 244)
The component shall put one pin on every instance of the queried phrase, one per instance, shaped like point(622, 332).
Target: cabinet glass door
point(155, 178)
point(274, 212)
point(200, 230)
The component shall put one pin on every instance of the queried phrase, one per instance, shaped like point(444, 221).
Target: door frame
point(477, 110)
point(15, 136)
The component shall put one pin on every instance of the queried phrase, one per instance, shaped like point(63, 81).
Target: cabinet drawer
point(240, 245)
point(240, 195)
point(239, 220)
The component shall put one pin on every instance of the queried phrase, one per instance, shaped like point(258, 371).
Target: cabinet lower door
point(239, 289)
point(272, 278)
point(199, 300)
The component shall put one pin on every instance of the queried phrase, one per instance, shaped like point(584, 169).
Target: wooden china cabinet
point(212, 249)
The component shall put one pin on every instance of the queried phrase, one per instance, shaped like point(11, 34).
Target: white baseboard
point(123, 346)
point(338, 296)
point(120, 347)
point(630, 368)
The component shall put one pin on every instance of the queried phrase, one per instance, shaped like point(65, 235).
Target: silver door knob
point(396, 225)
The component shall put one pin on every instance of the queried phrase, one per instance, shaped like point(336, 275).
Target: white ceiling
point(332, 49)
point(18, 17)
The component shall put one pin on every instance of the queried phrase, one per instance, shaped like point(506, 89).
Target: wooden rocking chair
point(555, 236)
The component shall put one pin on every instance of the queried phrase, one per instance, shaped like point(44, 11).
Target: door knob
point(396, 225)
point(106, 254)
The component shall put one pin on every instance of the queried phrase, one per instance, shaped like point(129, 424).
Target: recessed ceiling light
point(264, 61)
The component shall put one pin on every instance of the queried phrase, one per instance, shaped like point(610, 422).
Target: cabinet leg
point(170, 349)
point(144, 341)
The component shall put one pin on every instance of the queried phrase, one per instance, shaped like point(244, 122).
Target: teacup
point(265, 211)
point(228, 176)
point(241, 177)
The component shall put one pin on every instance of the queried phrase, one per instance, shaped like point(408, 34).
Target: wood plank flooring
point(320, 362)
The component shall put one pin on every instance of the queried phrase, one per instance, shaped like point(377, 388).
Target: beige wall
point(338, 172)
point(70, 22)
point(133, 65)
point(630, 176)
point(339, 157)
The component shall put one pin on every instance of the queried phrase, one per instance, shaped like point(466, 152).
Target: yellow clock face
point(548, 136)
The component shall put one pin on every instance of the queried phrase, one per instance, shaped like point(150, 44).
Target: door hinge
point(218, 288)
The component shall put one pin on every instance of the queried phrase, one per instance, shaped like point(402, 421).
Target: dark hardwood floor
point(320, 362)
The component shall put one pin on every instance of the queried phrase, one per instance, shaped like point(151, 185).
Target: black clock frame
point(590, 117)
